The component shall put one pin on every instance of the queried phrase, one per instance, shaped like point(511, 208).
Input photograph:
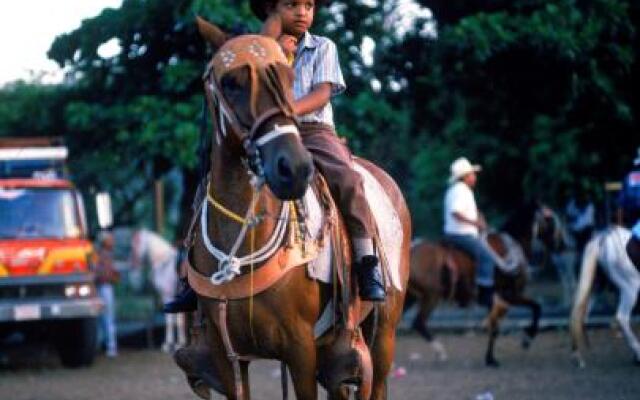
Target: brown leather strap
point(283, 261)
point(231, 354)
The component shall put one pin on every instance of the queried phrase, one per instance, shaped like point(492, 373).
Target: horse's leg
point(169, 338)
point(564, 263)
point(426, 306)
point(181, 326)
point(532, 330)
point(382, 358)
point(498, 310)
point(301, 361)
point(383, 348)
point(246, 387)
point(628, 297)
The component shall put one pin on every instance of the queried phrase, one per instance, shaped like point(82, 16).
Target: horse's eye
point(236, 93)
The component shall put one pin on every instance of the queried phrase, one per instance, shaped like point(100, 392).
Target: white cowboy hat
point(462, 167)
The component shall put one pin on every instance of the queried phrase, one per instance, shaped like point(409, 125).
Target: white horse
point(606, 248)
point(162, 258)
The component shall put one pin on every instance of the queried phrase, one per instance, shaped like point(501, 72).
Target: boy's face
point(296, 15)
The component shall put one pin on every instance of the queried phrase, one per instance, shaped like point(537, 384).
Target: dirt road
point(543, 372)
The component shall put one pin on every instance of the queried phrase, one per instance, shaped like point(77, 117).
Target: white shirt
point(580, 218)
point(636, 230)
point(460, 199)
point(317, 62)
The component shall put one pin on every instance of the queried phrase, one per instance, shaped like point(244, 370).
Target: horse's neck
point(230, 186)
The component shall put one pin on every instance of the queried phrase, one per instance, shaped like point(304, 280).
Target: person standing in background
point(580, 213)
point(106, 277)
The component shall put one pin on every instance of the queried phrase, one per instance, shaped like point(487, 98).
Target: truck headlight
point(70, 291)
point(84, 290)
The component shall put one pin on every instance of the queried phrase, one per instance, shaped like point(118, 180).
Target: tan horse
point(256, 137)
point(440, 272)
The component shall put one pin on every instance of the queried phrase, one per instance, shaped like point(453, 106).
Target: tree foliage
point(538, 91)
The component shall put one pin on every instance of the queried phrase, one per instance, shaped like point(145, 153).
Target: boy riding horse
point(318, 77)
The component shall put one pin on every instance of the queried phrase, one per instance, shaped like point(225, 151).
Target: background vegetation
point(539, 92)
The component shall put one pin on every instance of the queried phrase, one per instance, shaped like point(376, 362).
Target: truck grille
point(32, 291)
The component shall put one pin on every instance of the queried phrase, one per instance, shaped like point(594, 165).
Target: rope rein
point(230, 265)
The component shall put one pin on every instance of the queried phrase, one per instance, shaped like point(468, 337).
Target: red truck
point(47, 289)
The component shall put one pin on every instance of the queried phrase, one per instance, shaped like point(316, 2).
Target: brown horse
point(441, 272)
point(249, 93)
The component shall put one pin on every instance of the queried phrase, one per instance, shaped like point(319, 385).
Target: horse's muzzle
point(288, 172)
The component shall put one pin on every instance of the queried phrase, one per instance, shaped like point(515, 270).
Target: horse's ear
point(272, 26)
point(211, 33)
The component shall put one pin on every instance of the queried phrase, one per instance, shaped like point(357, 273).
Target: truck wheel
point(76, 342)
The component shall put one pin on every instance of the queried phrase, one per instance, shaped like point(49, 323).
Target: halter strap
point(224, 210)
point(225, 112)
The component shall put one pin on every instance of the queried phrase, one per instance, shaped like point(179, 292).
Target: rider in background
point(463, 224)
point(629, 199)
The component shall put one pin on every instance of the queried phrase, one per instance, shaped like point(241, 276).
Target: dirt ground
point(542, 372)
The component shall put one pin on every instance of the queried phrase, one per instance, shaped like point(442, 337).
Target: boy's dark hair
point(260, 7)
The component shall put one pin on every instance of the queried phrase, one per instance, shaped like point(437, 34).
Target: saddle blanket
point(385, 216)
point(514, 257)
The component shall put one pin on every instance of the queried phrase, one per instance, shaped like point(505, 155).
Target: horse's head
point(249, 90)
point(547, 228)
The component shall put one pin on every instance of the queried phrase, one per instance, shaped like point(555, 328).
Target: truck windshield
point(38, 213)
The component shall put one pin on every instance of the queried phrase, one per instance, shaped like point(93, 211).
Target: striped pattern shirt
point(317, 62)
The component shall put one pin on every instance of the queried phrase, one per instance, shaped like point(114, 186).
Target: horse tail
point(581, 299)
point(411, 295)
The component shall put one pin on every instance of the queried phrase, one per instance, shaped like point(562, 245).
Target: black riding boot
point(185, 300)
point(370, 279)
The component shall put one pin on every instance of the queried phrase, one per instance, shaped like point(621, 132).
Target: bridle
point(223, 115)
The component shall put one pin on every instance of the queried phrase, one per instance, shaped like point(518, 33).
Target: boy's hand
point(289, 45)
point(272, 26)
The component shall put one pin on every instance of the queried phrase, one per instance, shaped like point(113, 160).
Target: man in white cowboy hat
point(463, 224)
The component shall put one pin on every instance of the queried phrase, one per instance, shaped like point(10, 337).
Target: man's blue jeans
point(107, 319)
point(480, 252)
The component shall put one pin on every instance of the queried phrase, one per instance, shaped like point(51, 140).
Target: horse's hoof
point(441, 352)
point(526, 342)
point(578, 360)
point(492, 362)
point(200, 388)
point(167, 348)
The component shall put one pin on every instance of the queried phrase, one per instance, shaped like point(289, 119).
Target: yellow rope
point(222, 208)
point(295, 231)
